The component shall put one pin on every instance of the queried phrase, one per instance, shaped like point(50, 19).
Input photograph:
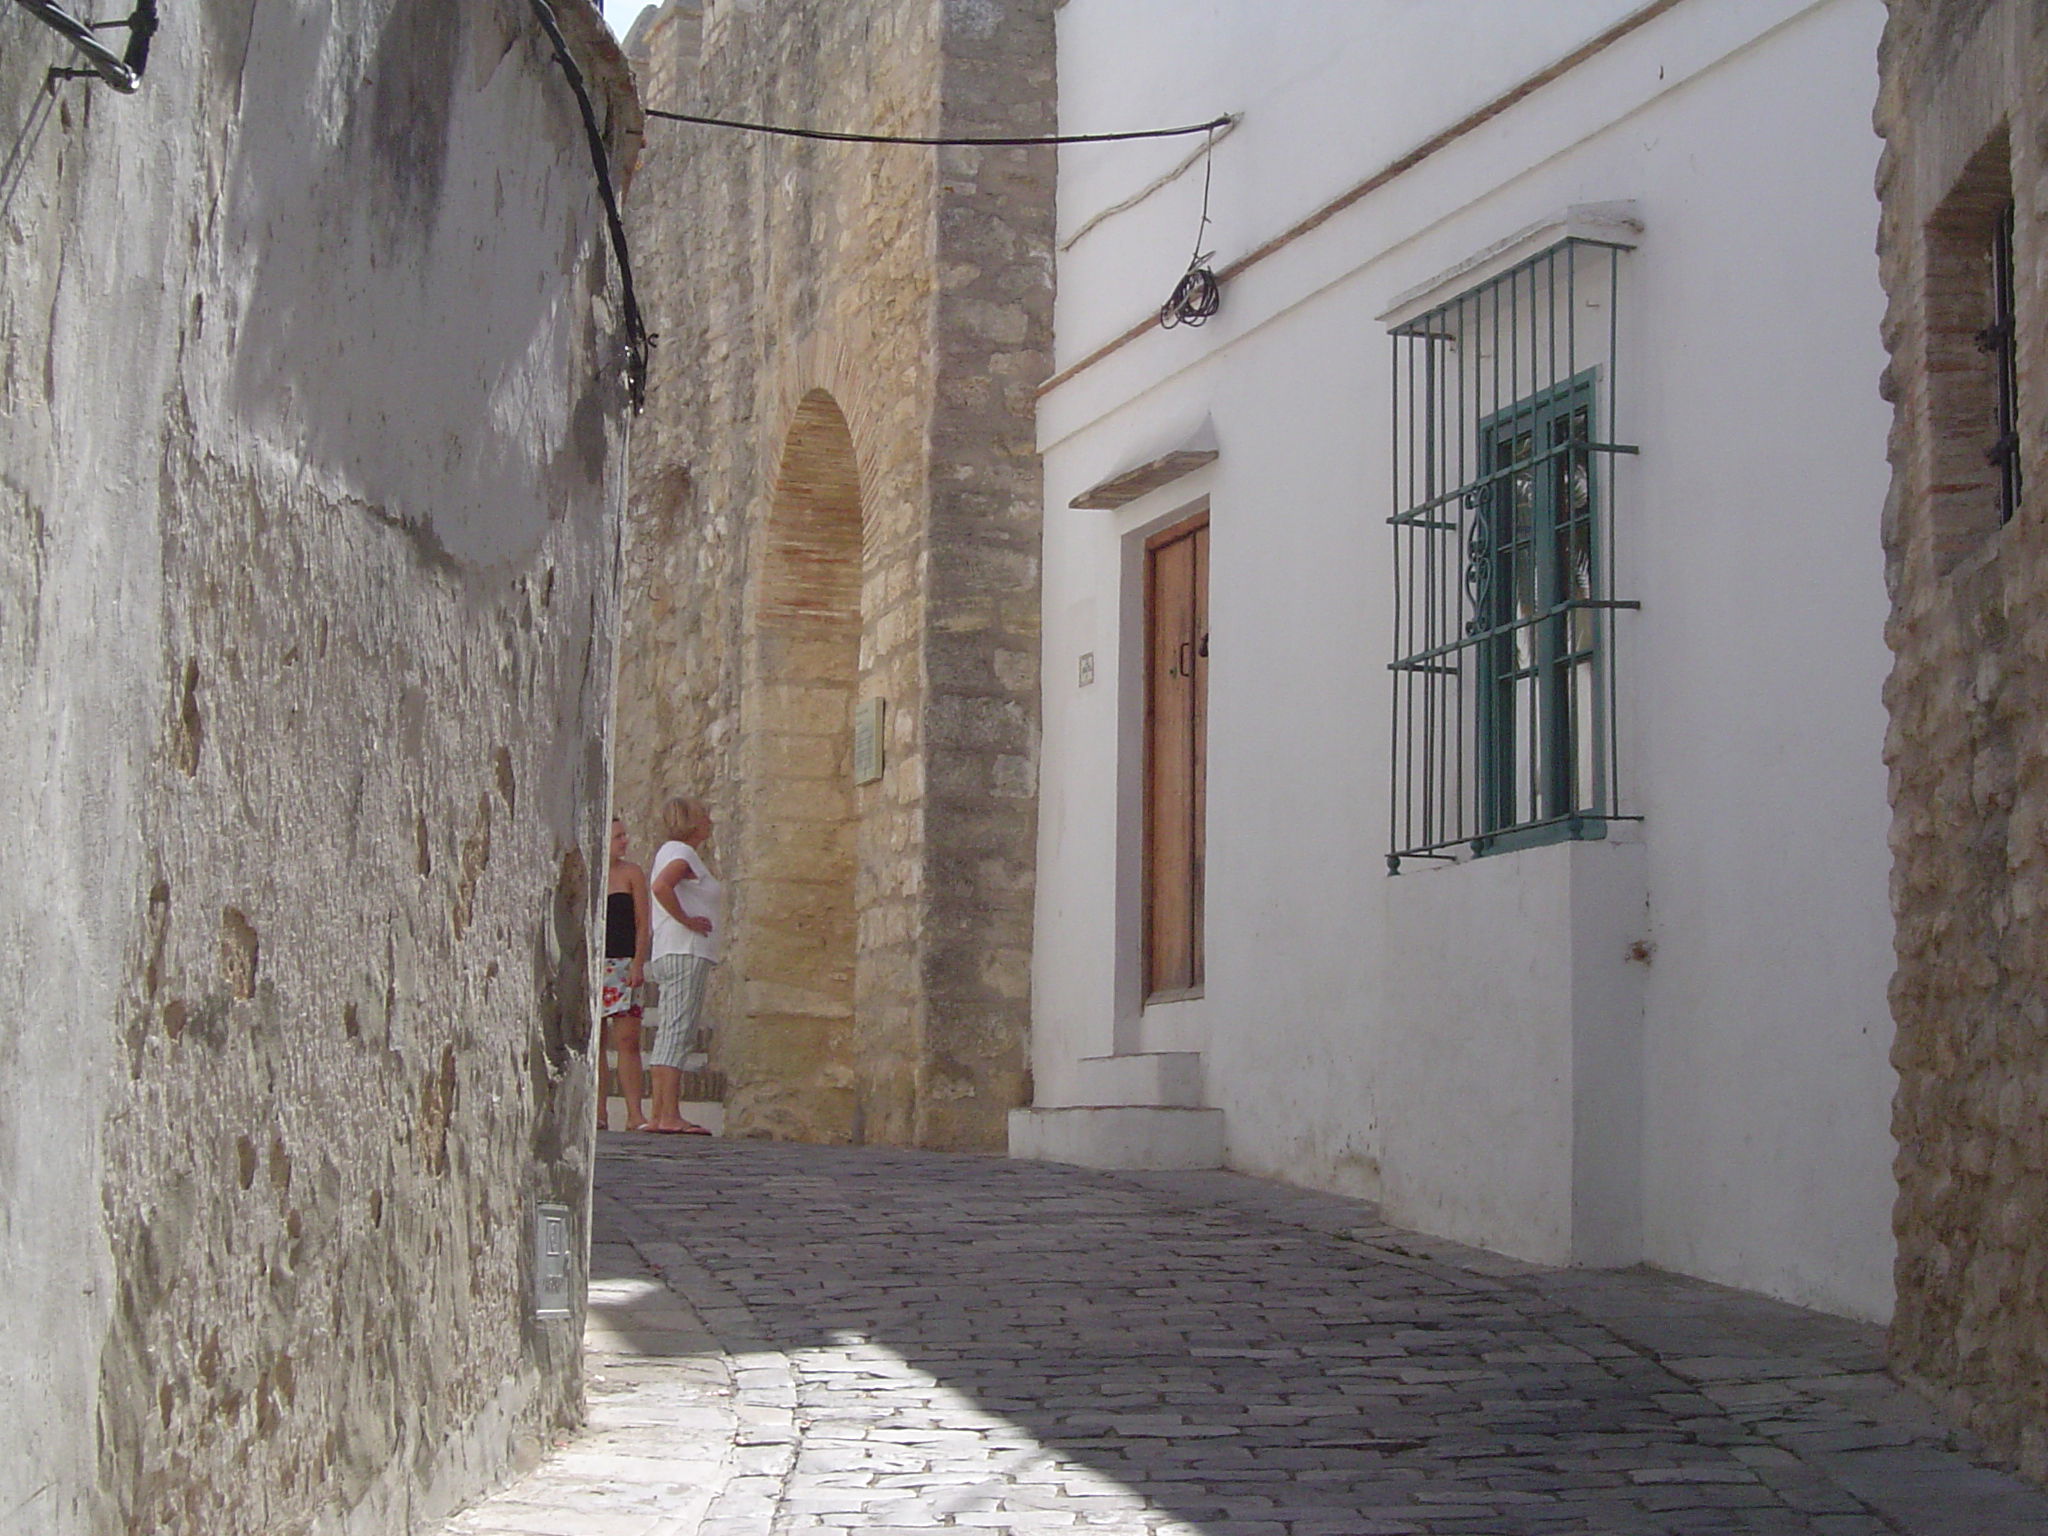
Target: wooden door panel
point(1170, 787)
point(1198, 750)
point(1176, 675)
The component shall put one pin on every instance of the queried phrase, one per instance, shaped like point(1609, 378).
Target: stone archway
point(791, 1059)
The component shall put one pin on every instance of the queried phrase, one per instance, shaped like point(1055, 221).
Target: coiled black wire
point(1195, 298)
point(1198, 294)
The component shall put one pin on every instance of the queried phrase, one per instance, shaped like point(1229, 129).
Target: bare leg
point(668, 1094)
point(626, 1040)
point(667, 1112)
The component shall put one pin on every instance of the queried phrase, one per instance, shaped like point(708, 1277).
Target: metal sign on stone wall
point(551, 1261)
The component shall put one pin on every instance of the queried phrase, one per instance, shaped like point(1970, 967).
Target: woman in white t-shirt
point(689, 931)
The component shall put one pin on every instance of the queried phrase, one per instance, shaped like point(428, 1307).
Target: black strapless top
point(618, 926)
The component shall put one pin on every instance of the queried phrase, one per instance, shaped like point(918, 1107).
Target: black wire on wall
point(123, 71)
point(637, 339)
point(897, 138)
point(1195, 298)
point(1186, 308)
point(1198, 295)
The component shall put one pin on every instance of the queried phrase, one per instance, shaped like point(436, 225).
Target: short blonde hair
point(681, 815)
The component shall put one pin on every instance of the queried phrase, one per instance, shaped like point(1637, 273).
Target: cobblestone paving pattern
point(911, 1342)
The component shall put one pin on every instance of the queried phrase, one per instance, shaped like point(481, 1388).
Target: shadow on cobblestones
point(923, 1342)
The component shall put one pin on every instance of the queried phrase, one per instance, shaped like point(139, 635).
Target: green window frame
point(1533, 563)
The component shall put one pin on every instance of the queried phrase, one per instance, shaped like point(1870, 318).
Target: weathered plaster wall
point(1965, 102)
point(894, 303)
point(307, 565)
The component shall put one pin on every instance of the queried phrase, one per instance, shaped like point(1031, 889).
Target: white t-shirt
point(699, 893)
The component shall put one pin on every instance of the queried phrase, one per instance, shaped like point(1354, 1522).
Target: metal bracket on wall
point(123, 71)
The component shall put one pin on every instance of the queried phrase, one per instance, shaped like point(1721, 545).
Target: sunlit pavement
point(794, 1339)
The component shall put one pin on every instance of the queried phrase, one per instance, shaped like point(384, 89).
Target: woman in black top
point(628, 925)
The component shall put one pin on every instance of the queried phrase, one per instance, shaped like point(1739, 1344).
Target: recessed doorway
point(1176, 756)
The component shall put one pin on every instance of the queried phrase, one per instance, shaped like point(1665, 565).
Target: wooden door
point(1176, 754)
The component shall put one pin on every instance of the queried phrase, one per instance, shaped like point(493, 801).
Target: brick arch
point(791, 1061)
point(811, 557)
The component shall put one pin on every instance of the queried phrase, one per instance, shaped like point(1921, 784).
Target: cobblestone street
point(790, 1339)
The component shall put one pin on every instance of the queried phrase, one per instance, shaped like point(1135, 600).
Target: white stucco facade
point(1669, 1044)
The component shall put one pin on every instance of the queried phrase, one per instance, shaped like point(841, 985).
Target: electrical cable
point(1198, 294)
point(637, 340)
point(894, 138)
point(123, 71)
point(1196, 297)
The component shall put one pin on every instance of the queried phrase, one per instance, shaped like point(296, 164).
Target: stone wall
point(1964, 111)
point(310, 418)
point(836, 500)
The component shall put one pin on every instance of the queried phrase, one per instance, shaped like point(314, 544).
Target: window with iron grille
point(1504, 728)
point(1969, 327)
point(2000, 340)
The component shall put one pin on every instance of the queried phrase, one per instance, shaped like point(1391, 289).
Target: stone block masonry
point(1964, 112)
point(835, 500)
point(310, 436)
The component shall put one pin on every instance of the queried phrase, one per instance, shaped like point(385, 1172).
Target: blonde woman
point(689, 930)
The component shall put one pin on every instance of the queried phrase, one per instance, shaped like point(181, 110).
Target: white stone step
point(1158, 1079)
point(1119, 1136)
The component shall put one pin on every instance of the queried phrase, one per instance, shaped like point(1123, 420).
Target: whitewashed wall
point(1722, 1108)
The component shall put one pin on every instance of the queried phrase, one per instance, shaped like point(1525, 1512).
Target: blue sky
point(621, 13)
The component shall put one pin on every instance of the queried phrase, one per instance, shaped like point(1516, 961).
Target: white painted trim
point(1615, 223)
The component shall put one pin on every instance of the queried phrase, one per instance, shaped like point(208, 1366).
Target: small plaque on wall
point(551, 1259)
point(867, 741)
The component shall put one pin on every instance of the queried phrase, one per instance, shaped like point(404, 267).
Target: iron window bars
point(1504, 730)
point(2000, 339)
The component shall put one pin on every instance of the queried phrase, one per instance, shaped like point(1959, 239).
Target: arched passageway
point(791, 1056)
